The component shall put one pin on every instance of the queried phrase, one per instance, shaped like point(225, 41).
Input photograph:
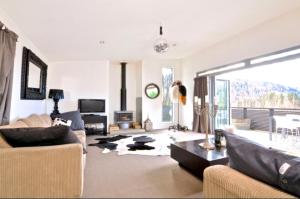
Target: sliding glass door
point(223, 101)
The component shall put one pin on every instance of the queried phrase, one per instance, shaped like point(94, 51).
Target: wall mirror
point(152, 91)
point(34, 76)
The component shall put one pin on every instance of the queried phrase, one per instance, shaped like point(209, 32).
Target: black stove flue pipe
point(123, 87)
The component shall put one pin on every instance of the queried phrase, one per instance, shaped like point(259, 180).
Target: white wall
point(22, 108)
point(132, 69)
point(79, 79)
point(280, 33)
point(152, 73)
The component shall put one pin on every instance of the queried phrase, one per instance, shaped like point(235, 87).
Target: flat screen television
point(91, 105)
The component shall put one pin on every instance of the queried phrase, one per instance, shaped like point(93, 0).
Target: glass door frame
point(227, 105)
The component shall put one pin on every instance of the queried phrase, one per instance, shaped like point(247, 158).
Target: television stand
point(92, 123)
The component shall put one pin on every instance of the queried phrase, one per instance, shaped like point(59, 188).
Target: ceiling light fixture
point(161, 45)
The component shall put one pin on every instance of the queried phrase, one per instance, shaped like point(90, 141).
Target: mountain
point(263, 94)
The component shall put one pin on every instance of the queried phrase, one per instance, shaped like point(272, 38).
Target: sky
point(285, 73)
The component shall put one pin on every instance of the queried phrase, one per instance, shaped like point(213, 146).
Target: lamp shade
point(56, 94)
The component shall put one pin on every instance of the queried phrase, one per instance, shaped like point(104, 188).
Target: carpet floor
point(136, 176)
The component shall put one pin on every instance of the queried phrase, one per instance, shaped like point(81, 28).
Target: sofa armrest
point(81, 136)
point(224, 182)
point(50, 171)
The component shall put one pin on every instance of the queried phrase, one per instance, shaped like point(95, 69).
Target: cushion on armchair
point(267, 165)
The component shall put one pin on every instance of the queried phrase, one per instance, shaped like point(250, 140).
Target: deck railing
point(261, 118)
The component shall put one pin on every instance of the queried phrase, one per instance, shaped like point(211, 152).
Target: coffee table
point(195, 159)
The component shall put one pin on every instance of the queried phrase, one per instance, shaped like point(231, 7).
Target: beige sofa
point(224, 182)
point(35, 172)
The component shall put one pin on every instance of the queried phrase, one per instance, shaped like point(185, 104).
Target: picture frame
point(33, 77)
point(152, 91)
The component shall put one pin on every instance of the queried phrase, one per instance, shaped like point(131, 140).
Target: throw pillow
point(262, 163)
point(36, 136)
point(75, 117)
point(28, 137)
point(60, 121)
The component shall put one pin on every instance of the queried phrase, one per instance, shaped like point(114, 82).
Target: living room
point(85, 46)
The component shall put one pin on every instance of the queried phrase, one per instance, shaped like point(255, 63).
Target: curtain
point(200, 91)
point(8, 41)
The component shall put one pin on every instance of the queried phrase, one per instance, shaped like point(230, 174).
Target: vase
point(148, 125)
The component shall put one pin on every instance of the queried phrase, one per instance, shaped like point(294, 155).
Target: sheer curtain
point(8, 41)
point(200, 91)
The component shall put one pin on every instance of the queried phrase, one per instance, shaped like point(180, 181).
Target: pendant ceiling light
point(161, 45)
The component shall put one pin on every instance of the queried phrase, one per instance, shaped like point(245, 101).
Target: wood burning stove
point(123, 118)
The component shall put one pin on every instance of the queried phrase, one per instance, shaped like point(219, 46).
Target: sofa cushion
point(17, 124)
point(75, 117)
point(34, 121)
point(46, 119)
point(261, 163)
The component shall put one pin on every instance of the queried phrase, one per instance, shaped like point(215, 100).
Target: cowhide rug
point(160, 146)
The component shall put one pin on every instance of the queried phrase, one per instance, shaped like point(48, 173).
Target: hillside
point(263, 95)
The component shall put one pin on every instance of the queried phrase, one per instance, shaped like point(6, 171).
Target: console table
point(195, 159)
point(90, 120)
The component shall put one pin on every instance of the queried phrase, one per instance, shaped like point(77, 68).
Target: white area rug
point(162, 142)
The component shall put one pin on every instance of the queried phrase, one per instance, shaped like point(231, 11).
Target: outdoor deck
point(290, 143)
point(272, 127)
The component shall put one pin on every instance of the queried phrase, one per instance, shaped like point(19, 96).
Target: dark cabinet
point(95, 124)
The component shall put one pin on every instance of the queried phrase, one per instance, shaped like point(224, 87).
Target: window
point(167, 105)
point(260, 96)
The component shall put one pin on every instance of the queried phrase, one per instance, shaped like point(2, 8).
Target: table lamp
point(56, 95)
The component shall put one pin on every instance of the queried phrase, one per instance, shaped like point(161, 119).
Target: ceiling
point(72, 29)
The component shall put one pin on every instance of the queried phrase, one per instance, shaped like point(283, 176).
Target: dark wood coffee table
point(195, 159)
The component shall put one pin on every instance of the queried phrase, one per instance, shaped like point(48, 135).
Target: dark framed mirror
point(152, 91)
point(34, 76)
